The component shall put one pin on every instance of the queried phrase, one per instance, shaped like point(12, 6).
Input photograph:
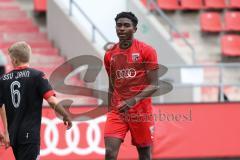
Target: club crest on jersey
point(135, 57)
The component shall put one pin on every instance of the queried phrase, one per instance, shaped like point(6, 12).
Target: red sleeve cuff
point(49, 94)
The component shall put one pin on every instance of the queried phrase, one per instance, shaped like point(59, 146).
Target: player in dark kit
point(132, 68)
point(22, 91)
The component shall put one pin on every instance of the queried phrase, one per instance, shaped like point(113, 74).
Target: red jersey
point(127, 71)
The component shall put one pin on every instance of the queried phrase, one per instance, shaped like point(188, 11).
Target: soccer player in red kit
point(133, 77)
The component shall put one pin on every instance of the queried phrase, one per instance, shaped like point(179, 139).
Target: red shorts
point(140, 124)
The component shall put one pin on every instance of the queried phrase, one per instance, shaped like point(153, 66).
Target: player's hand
point(67, 121)
point(126, 105)
point(6, 140)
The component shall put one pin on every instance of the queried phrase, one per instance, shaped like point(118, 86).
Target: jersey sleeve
point(107, 62)
point(45, 89)
point(150, 58)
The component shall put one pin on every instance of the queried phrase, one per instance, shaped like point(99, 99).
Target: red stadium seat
point(144, 2)
point(191, 4)
point(168, 4)
point(40, 5)
point(230, 45)
point(234, 4)
point(210, 22)
point(232, 21)
point(215, 4)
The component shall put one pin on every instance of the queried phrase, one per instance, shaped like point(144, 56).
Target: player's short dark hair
point(128, 15)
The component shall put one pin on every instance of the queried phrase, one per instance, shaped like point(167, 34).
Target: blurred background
point(197, 40)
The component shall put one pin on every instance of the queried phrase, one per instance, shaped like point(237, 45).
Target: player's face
point(125, 29)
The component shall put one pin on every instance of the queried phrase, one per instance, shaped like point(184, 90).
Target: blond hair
point(21, 51)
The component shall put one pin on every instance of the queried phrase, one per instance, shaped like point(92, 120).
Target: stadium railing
point(95, 29)
point(214, 77)
point(221, 77)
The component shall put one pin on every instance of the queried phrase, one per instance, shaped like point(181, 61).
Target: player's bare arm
point(110, 91)
point(5, 137)
point(1, 136)
point(152, 76)
point(53, 102)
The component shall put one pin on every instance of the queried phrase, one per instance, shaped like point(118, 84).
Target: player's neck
point(125, 44)
point(21, 65)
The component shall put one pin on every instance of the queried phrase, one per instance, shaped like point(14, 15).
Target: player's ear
point(135, 29)
point(14, 61)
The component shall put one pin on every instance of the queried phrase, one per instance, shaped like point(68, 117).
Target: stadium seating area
point(216, 16)
point(214, 22)
point(15, 25)
point(232, 21)
point(186, 125)
point(195, 4)
point(219, 22)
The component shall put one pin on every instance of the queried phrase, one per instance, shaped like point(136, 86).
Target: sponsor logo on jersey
point(126, 73)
